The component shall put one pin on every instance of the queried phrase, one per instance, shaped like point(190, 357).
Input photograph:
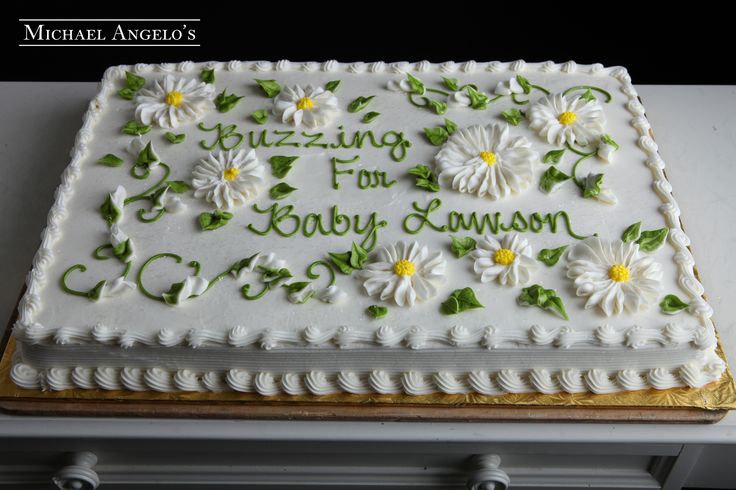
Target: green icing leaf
point(460, 300)
point(478, 100)
point(123, 251)
point(376, 312)
point(208, 76)
point(438, 107)
point(609, 141)
point(95, 293)
point(135, 129)
point(281, 190)
point(450, 126)
point(462, 246)
point(332, 86)
point(553, 156)
point(451, 83)
point(588, 96)
point(358, 256)
point(370, 116)
point(425, 179)
point(359, 104)
point(651, 240)
point(525, 84)
point(550, 256)
point(546, 299)
point(126, 93)
point(178, 186)
point(225, 102)
point(134, 82)
point(341, 261)
point(421, 171)
point(110, 160)
point(280, 165)
point(551, 179)
point(513, 116)
point(295, 287)
point(347, 262)
point(147, 155)
point(592, 185)
point(242, 264)
point(671, 304)
point(260, 116)
point(175, 138)
point(214, 220)
point(632, 232)
point(110, 212)
point(274, 277)
point(416, 85)
point(437, 136)
point(171, 297)
point(270, 87)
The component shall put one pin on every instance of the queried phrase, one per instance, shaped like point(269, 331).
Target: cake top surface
point(405, 204)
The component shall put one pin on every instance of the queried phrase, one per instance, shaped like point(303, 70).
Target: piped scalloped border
point(414, 337)
point(686, 278)
point(695, 374)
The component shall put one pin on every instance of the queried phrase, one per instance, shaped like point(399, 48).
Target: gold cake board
point(678, 405)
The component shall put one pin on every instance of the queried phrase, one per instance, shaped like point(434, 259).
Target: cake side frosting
point(703, 367)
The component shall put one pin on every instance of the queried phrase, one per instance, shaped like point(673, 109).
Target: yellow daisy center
point(404, 268)
point(174, 98)
point(305, 103)
point(618, 273)
point(504, 256)
point(231, 173)
point(489, 157)
point(567, 118)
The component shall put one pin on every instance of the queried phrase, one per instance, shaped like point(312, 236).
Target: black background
point(664, 45)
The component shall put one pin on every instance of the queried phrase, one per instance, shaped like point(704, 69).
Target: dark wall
point(692, 46)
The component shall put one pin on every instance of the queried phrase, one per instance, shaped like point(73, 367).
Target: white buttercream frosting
point(699, 336)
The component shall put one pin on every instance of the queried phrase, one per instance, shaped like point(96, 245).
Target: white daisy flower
point(486, 161)
point(508, 87)
point(510, 261)
point(308, 106)
point(174, 101)
point(228, 179)
point(406, 272)
point(567, 119)
point(613, 275)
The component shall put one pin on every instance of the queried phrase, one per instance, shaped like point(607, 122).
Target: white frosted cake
point(318, 228)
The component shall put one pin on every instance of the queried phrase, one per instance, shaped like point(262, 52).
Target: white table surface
point(695, 127)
